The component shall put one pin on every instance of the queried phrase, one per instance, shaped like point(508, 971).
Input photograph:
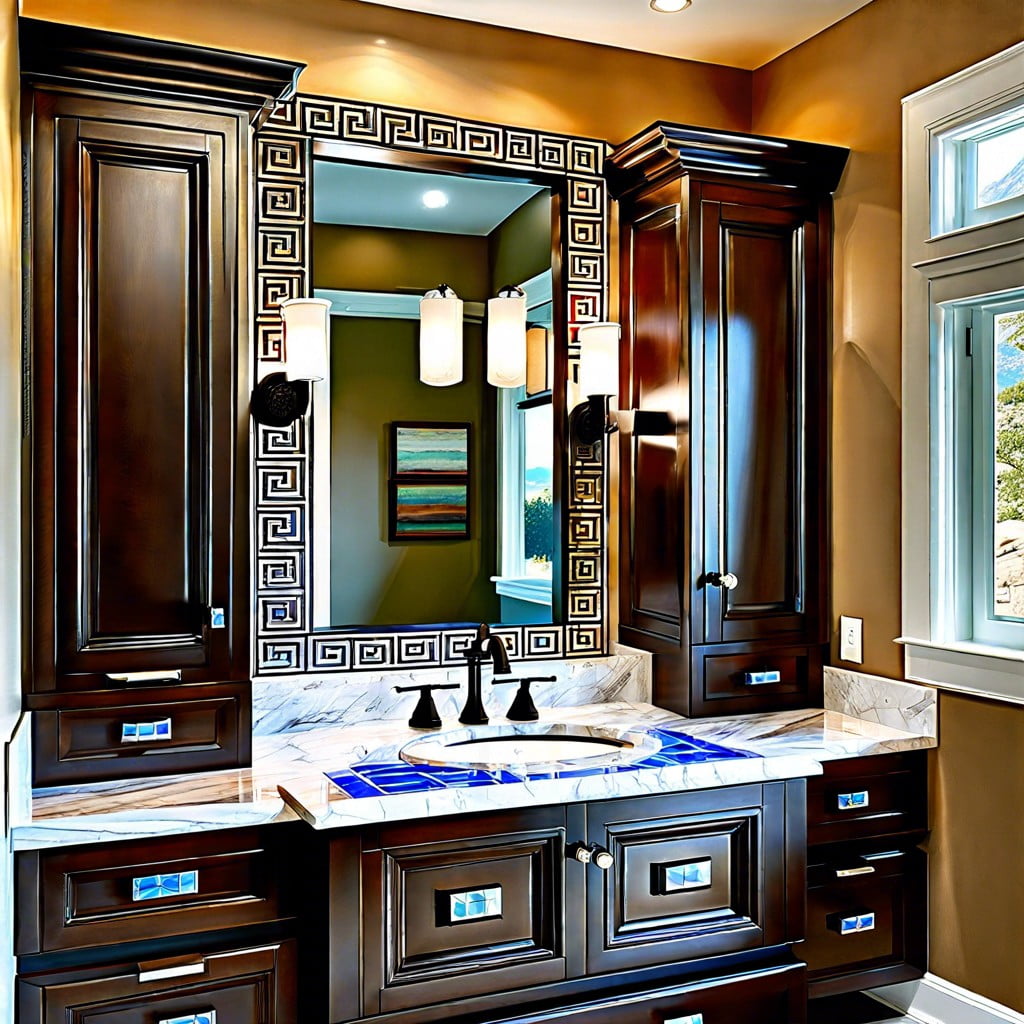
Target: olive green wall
point(374, 381)
point(382, 259)
point(520, 246)
point(844, 87)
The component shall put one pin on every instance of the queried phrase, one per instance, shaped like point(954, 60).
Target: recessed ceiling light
point(380, 42)
point(435, 199)
point(670, 6)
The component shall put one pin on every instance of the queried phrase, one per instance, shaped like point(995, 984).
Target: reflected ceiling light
point(435, 199)
point(670, 6)
point(506, 338)
point(281, 398)
point(441, 337)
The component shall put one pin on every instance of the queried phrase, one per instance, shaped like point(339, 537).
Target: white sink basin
point(533, 745)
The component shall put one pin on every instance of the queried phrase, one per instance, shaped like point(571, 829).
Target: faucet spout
point(481, 648)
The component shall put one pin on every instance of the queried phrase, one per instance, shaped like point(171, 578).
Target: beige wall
point(844, 86)
point(435, 64)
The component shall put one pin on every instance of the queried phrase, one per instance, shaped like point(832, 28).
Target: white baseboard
point(933, 1000)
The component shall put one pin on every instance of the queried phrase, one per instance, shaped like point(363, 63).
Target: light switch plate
point(851, 639)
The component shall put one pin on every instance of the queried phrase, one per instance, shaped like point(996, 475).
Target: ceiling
point(385, 198)
point(740, 33)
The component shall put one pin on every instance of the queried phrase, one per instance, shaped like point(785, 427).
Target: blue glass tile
point(207, 1017)
point(351, 785)
point(474, 904)
point(153, 887)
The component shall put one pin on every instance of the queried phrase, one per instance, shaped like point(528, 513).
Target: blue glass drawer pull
point(766, 677)
point(682, 876)
point(205, 1017)
point(690, 1018)
point(853, 801)
point(146, 732)
point(851, 924)
point(155, 887)
point(474, 904)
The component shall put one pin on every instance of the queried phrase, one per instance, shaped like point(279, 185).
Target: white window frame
point(945, 270)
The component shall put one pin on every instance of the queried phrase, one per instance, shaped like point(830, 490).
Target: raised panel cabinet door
point(764, 415)
point(137, 471)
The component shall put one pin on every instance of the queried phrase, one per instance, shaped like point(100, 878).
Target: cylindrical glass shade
point(599, 359)
point(307, 330)
point(506, 340)
point(441, 338)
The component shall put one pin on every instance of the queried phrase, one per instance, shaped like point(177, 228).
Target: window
point(963, 380)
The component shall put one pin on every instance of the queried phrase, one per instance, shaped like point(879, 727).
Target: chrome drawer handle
point(866, 869)
point(474, 904)
point(205, 1017)
point(156, 887)
point(165, 675)
point(592, 854)
point(690, 1018)
point(766, 677)
point(853, 801)
point(175, 971)
point(146, 732)
point(691, 874)
point(854, 923)
point(218, 620)
point(728, 580)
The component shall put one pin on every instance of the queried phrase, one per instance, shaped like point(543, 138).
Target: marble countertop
point(287, 780)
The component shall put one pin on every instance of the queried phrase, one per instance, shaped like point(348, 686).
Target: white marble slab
point(292, 703)
point(899, 705)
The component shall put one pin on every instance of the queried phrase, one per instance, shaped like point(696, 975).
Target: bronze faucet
point(480, 649)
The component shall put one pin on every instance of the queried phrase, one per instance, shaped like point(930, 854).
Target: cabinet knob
point(728, 580)
point(592, 854)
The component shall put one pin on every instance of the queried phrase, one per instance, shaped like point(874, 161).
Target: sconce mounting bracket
point(277, 401)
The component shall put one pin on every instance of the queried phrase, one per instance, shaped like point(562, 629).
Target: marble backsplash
point(308, 701)
point(907, 706)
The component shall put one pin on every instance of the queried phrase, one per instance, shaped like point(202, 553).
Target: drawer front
point(119, 892)
point(463, 917)
point(866, 910)
point(736, 679)
point(134, 736)
point(696, 875)
point(254, 986)
point(776, 996)
point(868, 796)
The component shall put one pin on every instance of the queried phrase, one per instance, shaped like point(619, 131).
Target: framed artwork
point(429, 449)
point(428, 492)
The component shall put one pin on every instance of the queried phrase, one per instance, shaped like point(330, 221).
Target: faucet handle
point(523, 709)
point(424, 715)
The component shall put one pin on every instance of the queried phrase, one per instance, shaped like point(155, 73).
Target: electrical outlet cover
point(851, 639)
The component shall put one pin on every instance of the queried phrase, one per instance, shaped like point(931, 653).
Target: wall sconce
point(506, 338)
point(281, 398)
point(441, 337)
point(598, 380)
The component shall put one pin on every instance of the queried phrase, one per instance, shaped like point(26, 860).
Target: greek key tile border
point(284, 640)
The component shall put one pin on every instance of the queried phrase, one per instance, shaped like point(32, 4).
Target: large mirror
point(433, 504)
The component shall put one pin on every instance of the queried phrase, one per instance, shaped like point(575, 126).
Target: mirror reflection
point(435, 503)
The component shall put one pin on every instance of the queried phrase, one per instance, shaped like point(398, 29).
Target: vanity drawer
point(120, 892)
point(739, 678)
point(866, 912)
point(692, 875)
point(143, 733)
point(477, 910)
point(248, 986)
point(868, 796)
point(771, 996)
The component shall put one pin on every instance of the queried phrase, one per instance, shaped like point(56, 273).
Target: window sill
point(523, 588)
point(977, 669)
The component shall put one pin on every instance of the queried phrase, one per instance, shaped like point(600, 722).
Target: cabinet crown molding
point(69, 55)
point(663, 151)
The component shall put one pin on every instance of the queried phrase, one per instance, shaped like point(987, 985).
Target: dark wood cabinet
point(138, 200)
point(867, 899)
point(244, 986)
point(725, 264)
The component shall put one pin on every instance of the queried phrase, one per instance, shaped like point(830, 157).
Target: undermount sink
point(533, 744)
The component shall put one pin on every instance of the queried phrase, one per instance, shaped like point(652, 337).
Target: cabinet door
point(694, 875)
point(139, 464)
point(763, 418)
point(251, 986)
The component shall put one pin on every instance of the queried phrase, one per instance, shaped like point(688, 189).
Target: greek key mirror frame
point(282, 477)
